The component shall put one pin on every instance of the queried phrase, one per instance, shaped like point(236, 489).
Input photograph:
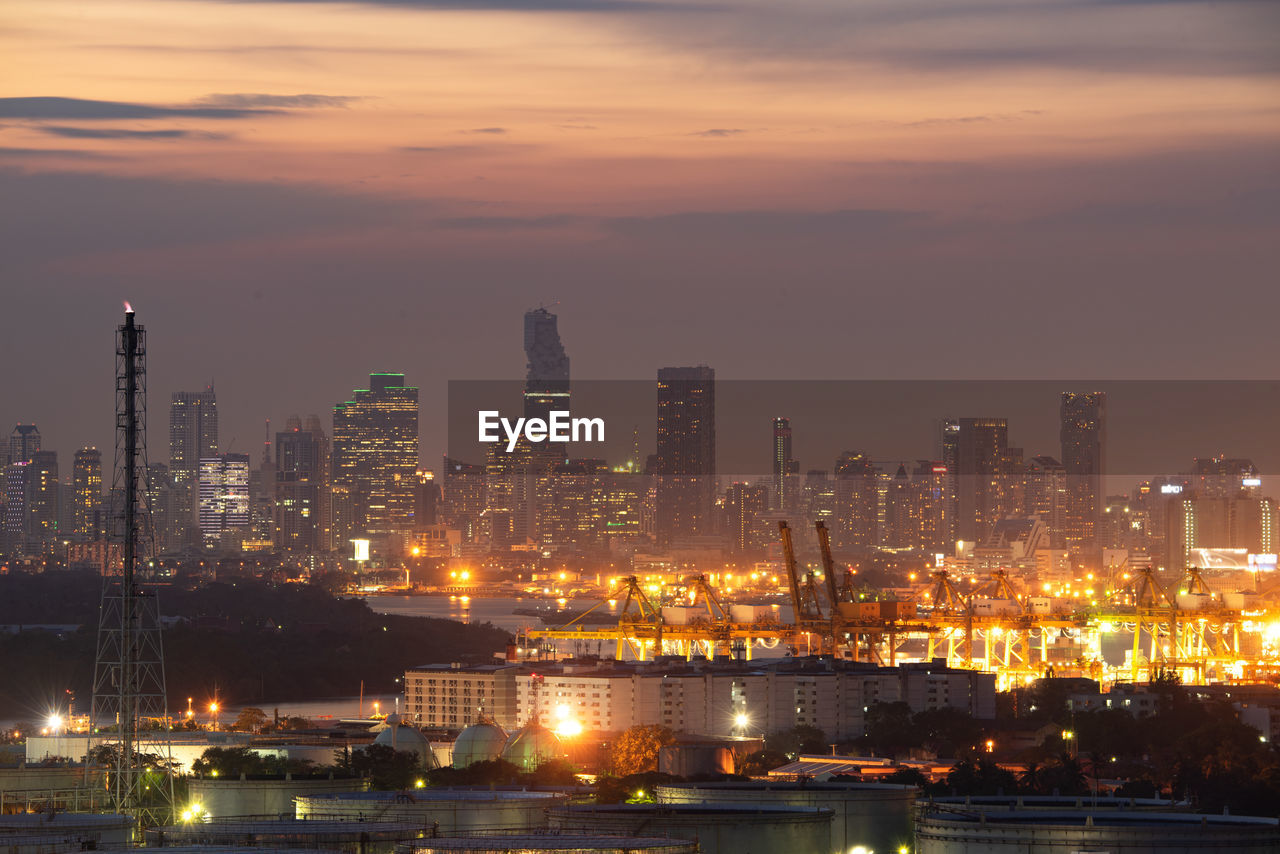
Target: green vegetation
point(635, 751)
point(244, 641)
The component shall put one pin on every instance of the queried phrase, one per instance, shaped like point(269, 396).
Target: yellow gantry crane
point(1200, 640)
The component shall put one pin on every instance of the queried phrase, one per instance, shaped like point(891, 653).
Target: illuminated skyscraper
point(784, 467)
point(686, 459)
point(547, 372)
point(193, 436)
point(744, 505)
point(224, 496)
point(24, 441)
point(462, 496)
point(16, 507)
point(42, 493)
point(1084, 446)
point(857, 505)
point(982, 455)
point(1046, 495)
point(299, 485)
point(375, 454)
point(86, 479)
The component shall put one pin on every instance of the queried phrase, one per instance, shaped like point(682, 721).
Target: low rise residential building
point(701, 697)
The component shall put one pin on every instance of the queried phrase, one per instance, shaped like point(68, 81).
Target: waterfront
point(475, 609)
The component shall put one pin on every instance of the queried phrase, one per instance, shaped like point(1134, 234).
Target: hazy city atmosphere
point(621, 425)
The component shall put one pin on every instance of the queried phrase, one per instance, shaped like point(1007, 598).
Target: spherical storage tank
point(409, 739)
point(531, 746)
point(444, 810)
point(945, 830)
point(717, 828)
point(872, 816)
point(479, 742)
point(542, 844)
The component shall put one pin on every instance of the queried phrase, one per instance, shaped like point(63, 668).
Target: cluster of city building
point(318, 488)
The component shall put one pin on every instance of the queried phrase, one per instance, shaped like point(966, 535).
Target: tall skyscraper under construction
point(375, 455)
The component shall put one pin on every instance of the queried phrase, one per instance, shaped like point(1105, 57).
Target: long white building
point(705, 698)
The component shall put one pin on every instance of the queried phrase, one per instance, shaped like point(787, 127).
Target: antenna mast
point(129, 684)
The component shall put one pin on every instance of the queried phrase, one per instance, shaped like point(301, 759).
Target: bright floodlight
point(740, 719)
point(55, 721)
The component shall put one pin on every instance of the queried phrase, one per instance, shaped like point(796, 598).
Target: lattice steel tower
point(128, 686)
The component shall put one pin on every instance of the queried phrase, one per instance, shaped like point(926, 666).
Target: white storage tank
point(90, 830)
point(717, 828)
point(220, 797)
point(443, 810)
point(946, 830)
point(347, 837)
point(545, 844)
point(873, 816)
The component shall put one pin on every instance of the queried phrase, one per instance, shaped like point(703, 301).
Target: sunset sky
point(295, 194)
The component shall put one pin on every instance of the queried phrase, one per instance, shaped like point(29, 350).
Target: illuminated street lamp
point(213, 712)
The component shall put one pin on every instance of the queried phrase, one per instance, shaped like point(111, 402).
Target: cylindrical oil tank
point(1001, 803)
point(874, 816)
point(442, 810)
point(949, 831)
point(221, 797)
point(90, 830)
point(349, 837)
point(717, 828)
point(551, 844)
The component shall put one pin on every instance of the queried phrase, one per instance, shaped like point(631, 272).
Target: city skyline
point(982, 179)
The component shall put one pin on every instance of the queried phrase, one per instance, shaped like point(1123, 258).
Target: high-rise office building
point(299, 486)
point(24, 441)
point(1223, 477)
point(857, 501)
point(16, 508)
point(375, 455)
point(462, 496)
point(1046, 495)
point(1084, 447)
point(193, 436)
point(224, 497)
point(42, 496)
point(685, 463)
point(949, 455)
point(785, 467)
point(86, 480)
point(982, 456)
